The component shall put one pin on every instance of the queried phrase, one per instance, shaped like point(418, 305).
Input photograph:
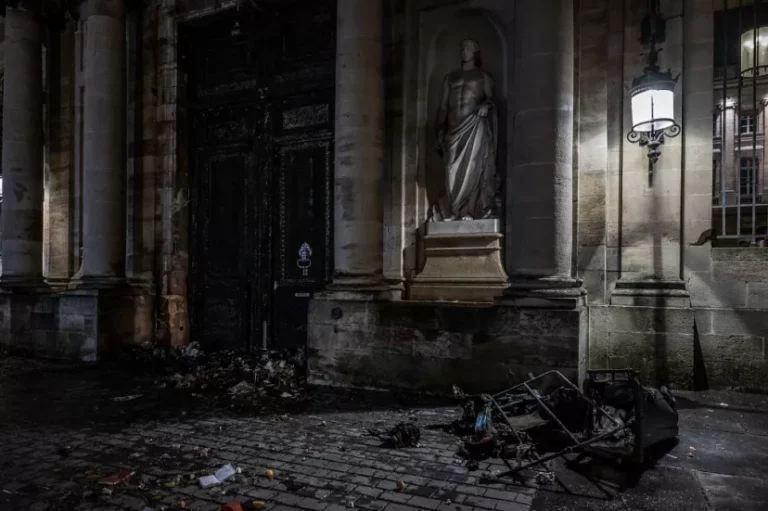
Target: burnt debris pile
point(237, 379)
point(614, 417)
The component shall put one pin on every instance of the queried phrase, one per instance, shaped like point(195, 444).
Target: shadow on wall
point(717, 339)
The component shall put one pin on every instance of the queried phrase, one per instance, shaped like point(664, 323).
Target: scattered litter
point(692, 448)
point(191, 350)
point(209, 480)
point(269, 473)
point(242, 388)
point(350, 500)
point(174, 482)
point(268, 381)
point(250, 505)
point(400, 485)
point(545, 478)
point(402, 435)
point(218, 477)
point(127, 398)
point(117, 478)
point(107, 492)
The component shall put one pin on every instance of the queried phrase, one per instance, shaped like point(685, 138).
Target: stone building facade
point(262, 176)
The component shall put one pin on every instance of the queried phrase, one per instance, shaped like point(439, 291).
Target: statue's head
point(470, 51)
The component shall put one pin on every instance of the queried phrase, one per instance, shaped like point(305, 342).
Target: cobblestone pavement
point(61, 432)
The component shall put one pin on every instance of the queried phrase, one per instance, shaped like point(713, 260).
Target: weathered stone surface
point(733, 348)
point(432, 346)
point(22, 158)
point(658, 342)
point(80, 325)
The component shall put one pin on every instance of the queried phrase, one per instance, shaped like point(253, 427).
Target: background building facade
point(262, 174)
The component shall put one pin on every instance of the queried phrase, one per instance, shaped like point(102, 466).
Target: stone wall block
point(757, 295)
point(72, 323)
point(431, 345)
point(708, 292)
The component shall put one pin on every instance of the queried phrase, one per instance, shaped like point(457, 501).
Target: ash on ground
point(236, 379)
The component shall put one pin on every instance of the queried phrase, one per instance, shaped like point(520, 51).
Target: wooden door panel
point(303, 255)
point(222, 266)
point(225, 210)
point(261, 107)
point(305, 222)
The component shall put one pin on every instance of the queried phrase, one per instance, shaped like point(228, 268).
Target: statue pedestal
point(463, 262)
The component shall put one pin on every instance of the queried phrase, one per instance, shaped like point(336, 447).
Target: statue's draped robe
point(469, 153)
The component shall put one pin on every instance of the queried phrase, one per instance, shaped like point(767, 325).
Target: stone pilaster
point(22, 158)
point(651, 215)
point(104, 180)
point(59, 242)
point(359, 150)
point(539, 234)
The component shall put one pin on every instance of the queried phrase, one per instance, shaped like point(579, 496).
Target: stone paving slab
point(61, 431)
point(319, 462)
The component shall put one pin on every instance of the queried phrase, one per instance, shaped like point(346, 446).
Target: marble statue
point(467, 137)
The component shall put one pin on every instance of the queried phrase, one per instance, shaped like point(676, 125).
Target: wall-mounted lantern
point(653, 93)
point(754, 52)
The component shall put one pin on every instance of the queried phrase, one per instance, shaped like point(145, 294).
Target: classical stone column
point(359, 151)
point(539, 234)
point(104, 178)
point(22, 215)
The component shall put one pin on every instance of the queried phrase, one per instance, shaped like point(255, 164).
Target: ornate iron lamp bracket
point(653, 140)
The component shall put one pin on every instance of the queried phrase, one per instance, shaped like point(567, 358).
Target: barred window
point(747, 176)
point(740, 202)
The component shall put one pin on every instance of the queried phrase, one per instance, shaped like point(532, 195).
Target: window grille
point(740, 207)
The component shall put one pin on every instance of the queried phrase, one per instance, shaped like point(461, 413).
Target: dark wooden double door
point(260, 108)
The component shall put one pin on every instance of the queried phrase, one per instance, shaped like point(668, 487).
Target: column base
point(397, 287)
point(357, 287)
point(85, 324)
point(651, 293)
point(80, 282)
point(549, 292)
point(58, 282)
point(11, 282)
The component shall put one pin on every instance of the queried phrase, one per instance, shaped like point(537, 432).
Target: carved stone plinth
point(463, 262)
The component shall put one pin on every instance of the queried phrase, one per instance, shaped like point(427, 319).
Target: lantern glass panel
point(653, 110)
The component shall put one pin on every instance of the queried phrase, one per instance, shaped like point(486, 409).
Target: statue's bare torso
point(463, 92)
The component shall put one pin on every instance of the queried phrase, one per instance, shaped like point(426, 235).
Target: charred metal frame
point(578, 446)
